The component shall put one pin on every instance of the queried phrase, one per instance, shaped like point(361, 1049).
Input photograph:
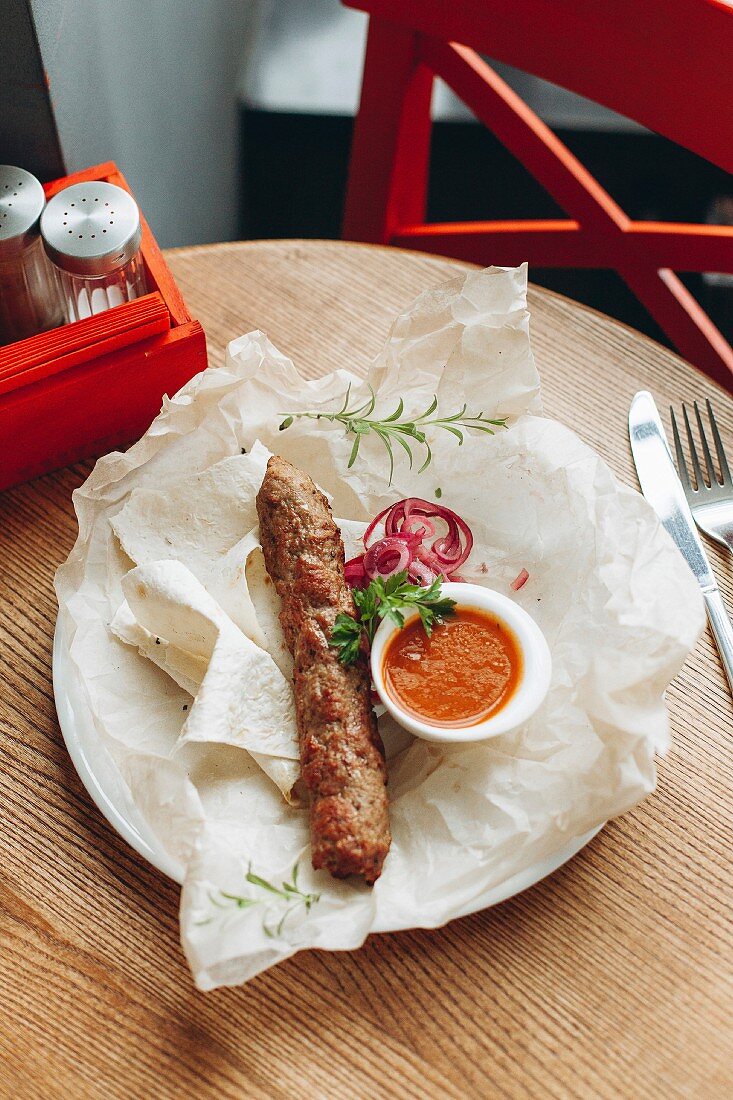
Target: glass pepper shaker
point(29, 293)
point(92, 233)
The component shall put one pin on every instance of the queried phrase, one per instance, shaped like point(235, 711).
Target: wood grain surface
point(612, 978)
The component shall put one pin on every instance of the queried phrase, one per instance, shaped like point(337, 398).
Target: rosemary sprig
point(388, 599)
point(289, 892)
point(358, 421)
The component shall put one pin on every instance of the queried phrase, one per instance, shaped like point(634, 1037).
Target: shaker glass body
point(29, 291)
point(85, 295)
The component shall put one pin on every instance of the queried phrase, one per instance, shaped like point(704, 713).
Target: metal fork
point(711, 498)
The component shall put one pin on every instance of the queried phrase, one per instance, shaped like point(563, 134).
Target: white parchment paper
point(177, 648)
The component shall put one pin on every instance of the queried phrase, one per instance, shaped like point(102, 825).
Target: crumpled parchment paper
point(177, 648)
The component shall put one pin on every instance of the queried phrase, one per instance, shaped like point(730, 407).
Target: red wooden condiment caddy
point(88, 387)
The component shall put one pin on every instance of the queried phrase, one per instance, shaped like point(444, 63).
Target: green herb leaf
point(257, 881)
point(431, 408)
point(384, 436)
point(405, 447)
point(242, 903)
point(354, 451)
point(428, 457)
point(397, 413)
point(426, 618)
point(346, 638)
point(391, 613)
point(345, 405)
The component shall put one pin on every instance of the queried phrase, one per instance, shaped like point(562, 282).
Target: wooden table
point(610, 979)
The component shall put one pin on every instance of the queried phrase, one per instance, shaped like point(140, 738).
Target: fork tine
point(693, 450)
point(681, 464)
point(722, 461)
point(712, 476)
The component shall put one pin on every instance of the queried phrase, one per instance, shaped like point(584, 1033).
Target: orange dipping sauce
point(460, 676)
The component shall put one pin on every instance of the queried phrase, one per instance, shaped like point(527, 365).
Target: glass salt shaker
point(92, 233)
point(29, 293)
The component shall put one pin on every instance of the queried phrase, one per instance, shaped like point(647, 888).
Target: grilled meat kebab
point(341, 752)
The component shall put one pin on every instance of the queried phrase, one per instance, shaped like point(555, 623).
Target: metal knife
point(663, 489)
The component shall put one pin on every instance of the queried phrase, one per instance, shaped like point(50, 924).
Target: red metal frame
point(660, 63)
point(84, 388)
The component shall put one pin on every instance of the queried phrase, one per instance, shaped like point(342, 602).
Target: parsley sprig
point(388, 599)
point(357, 420)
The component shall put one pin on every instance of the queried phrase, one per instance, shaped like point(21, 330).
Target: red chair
point(667, 64)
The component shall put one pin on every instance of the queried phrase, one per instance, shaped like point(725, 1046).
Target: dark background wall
point(28, 135)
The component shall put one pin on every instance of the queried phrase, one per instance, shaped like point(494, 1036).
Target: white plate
point(96, 768)
point(99, 774)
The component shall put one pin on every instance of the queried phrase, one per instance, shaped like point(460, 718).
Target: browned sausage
point(341, 753)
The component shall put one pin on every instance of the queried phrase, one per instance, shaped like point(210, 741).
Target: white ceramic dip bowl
point(528, 694)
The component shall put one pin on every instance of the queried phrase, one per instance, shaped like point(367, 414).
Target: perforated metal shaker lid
point(91, 228)
point(21, 203)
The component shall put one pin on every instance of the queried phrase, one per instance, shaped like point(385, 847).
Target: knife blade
point(662, 487)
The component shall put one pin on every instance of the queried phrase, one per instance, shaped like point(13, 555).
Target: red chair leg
point(684, 321)
point(391, 145)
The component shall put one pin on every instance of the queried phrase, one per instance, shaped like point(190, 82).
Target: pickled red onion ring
point(408, 527)
point(520, 580)
point(420, 573)
point(354, 574)
point(386, 557)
